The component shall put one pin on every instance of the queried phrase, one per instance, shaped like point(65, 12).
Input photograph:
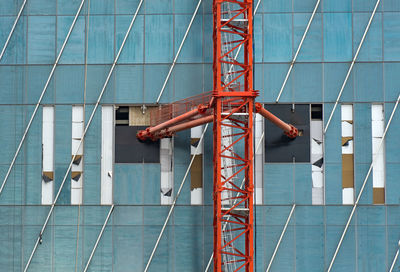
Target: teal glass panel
point(158, 7)
point(10, 7)
point(346, 257)
point(305, 6)
point(36, 79)
point(67, 90)
point(278, 38)
point(366, 5)
point(12, 84)
point(391, 5)
point(363, 135)
point(371, 215)
point(188, 241)
point(129, 84)
point(333, 183)
point(188, 7)
point(274, 76)
point(74, 51)
point(208, 37)
point(16, 49)
point(337, 6)
point(133, 51)
point(154, 77)
point(337, 37)
point(70, 7)
point(303, 183)
point(311, 49)
point(101, 39)
point(192, 49)
point(128, 7)
point(41, 7)
point(103, 7)
point(360, 173)
point(310, 242)
point(333, 135)
point(33, 181)
point(334, 76)
point(279, 183)
point(158, 39)
point(188, 215)
point(163, 259)
point(371, 248)
point(368, 82)
point(128, 183)
point(128, 240)
point(41, 42)
point(135, 216)
point(392, 81)
point(188, 80)
point(307, 82)
point(277, 6)
point(285, 257)
point(96, 78)
point(392, 185)
point(92, 143)
point(371, 49)
point(392, 135)
point(391, 28)
point(258, 38)
point(91, 184)
point(65, 245)
point(151, 183)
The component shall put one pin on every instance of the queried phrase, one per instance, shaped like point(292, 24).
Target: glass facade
point(314, 231)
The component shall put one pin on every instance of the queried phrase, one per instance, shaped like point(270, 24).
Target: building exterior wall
point(128, 239)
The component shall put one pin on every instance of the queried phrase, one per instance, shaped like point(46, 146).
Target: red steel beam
point(289, 130)
point(150, 132)
point(187, 125)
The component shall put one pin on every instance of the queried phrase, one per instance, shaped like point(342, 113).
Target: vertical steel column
point(233, 108)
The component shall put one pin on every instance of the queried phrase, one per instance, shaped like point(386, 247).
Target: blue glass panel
point(285, 257)
point(70, 7)
point(307, 82)
point(133, 51)
point(64, 251)
point(392, 81)
point(41, 42)
point(360, 172)
point(371, 49)
point(102, 7)
point(392, 135)
point(16, 49)
point(10, 7)
point(258, 38)
point(310, 215)
point(188, 215)
point(35, 82)
point(33, 181)
point(303, 183)
point(128, 240)
point(310, 242)
point(92, 144)
point(337, 37)
point(371, 248)
point(67, 90)
point(338, 215)
point(305, 6)
point(91, 183)
point(41, 7)
point(188, 80)
point(158, 7)
point(74, 51)
point(208, 37)
point(158, 38)
point(346, 257)
point(96, 78)
point(391, 28)
point(277, 37)
point(128, 7)
point(192, 49)
point(363, 134)
point(274, 76)
point(333, 183)
point(151, 183)
point(333, 136)
point(135, 215)
point(11, 84)
point(154, 77)
point(277, 6)
point(128, 183)
point(163, 257)
point(129, 84)
point(101, 39)
point(312, 46)
point(365, 5)
point(368, 82)
point(278, 183)
point(392, 184)
point(188, 241)
point(391, 5)
point(63, 134)
point(337, 6)
point(371, 215)
point(334, 76)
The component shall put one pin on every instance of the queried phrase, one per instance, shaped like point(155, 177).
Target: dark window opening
point(278, 147)
point(128, 149)
point(316, 112)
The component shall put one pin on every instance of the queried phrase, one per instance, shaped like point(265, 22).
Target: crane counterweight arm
point(289, 130)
